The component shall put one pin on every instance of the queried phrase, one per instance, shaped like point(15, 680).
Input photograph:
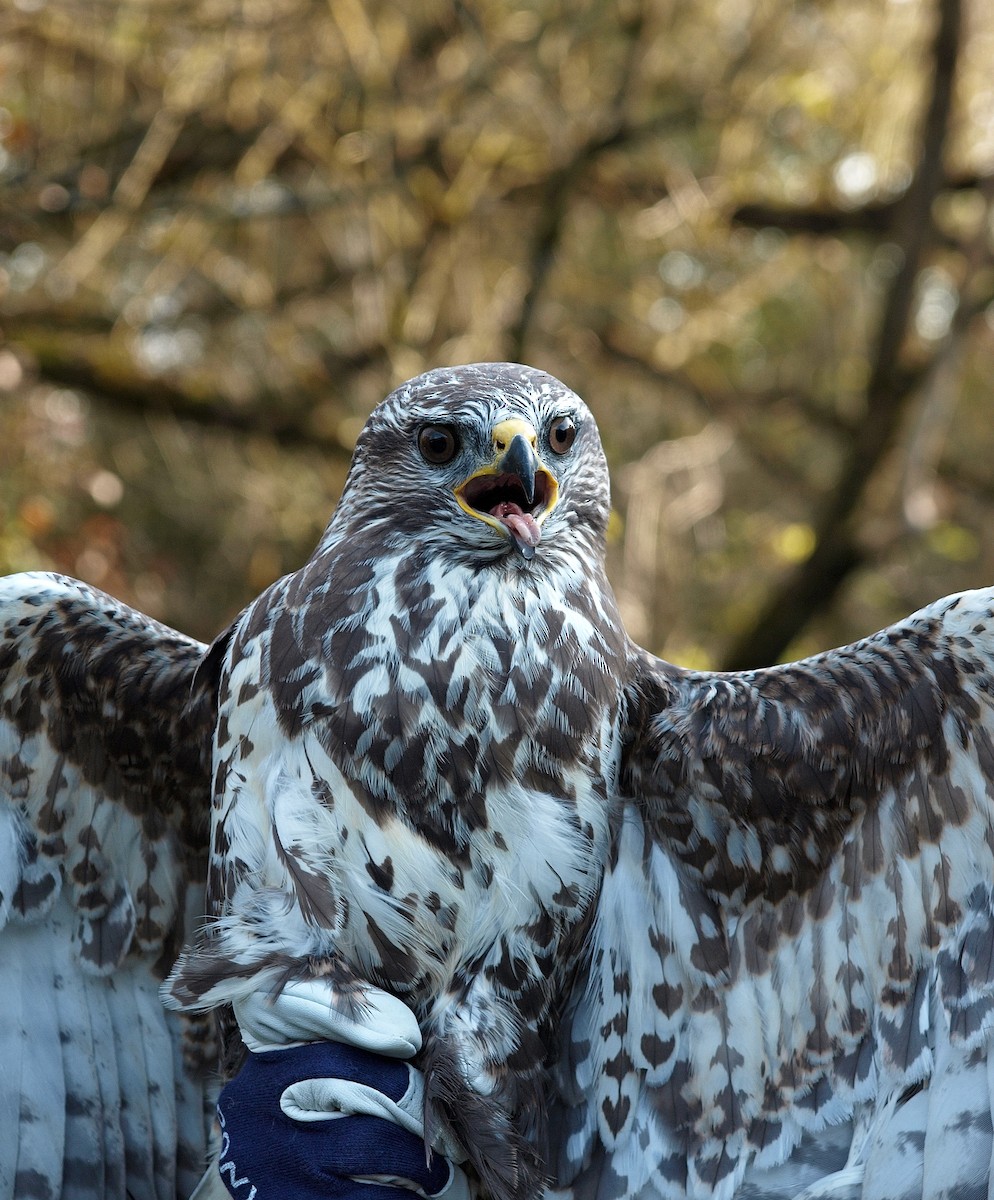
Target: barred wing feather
point(104, 774)
point(798, 918)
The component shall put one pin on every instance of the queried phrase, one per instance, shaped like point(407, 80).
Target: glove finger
point(304, 1012)
point(318, 1099)
point(324, 1099)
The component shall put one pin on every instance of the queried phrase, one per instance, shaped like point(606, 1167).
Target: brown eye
point(562, 431)
point(438, 444)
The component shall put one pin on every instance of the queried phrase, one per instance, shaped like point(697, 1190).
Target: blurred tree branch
point(55, 360)
point(558, 188)
point(878, 218)
point(812, 586)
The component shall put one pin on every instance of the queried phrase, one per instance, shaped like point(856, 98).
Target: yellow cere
point(506, 431)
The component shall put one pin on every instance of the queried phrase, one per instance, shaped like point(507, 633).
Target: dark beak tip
point(521, 460)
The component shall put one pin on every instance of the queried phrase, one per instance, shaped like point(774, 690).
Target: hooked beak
point(516, 491)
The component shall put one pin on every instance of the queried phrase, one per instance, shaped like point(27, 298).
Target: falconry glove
point(342, 1117)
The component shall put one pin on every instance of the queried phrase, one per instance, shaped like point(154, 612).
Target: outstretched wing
point(799, 913)
point(104, 805)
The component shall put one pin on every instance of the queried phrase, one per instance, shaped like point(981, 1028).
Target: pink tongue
point(523, 525)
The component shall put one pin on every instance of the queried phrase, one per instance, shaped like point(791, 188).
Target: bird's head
point(483, 462)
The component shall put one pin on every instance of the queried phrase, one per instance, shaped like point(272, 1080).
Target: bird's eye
point(562, 432)
point(438, 444)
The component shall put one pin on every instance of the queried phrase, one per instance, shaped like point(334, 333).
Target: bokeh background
point(756, 236)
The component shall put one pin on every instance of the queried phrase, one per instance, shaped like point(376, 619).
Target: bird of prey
point(655, 923)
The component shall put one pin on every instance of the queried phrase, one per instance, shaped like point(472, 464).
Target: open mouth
point(499, 495)
point(504, 499)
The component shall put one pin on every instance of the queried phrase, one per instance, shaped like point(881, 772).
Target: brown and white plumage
point(104, 759)
point(818, 846)
point(657, 925)
point(417, 739)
